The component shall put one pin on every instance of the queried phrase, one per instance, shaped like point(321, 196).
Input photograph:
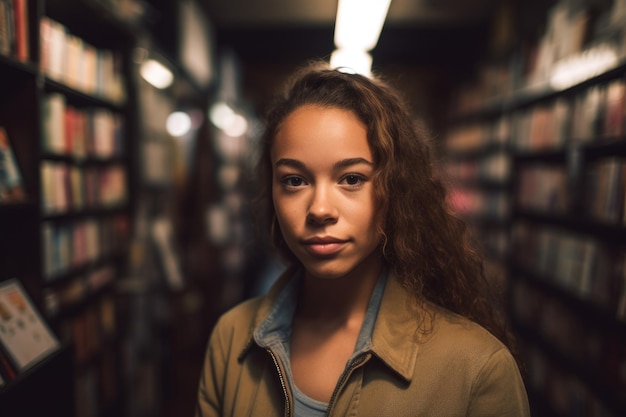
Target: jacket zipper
point(351, 367)
point(282, 383)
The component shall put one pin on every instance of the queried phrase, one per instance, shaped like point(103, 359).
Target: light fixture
point(156, 73)
point(226, 119)
point(221, 115)
point(353, 61)
point(359, 22)
point(357, 28)
point(238, 127)
point(178, 124)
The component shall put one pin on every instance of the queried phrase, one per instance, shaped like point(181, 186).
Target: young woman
point(384, 311)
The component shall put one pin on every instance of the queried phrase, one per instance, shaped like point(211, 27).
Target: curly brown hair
point(425, 244)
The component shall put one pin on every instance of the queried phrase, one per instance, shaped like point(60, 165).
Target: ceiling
point(271, 37)
point(322, 12)
point(416, 31)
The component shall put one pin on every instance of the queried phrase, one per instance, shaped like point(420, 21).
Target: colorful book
point(22, 50)
point(11, 187)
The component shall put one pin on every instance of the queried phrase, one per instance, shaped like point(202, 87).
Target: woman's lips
point(324, 247)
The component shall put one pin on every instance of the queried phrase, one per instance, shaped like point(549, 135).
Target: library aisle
point(128, 219)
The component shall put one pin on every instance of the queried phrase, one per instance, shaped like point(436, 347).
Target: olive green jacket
point(456, 368)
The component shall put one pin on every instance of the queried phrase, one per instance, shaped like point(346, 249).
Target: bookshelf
point(67, 106)
point(562, 206)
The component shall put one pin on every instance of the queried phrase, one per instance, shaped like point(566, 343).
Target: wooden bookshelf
point(565, 231)
point(69, 258)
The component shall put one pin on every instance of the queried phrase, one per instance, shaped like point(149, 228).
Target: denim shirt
point(274, 333)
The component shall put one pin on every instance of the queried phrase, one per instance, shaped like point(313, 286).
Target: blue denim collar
point(276, 326)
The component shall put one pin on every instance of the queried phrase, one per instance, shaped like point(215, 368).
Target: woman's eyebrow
point(344, 163)
point(293, 163)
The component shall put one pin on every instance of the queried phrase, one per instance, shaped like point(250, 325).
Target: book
point(22, 50)
point(605, 189)
point(53, 124)
point(11, 187)
point(24, 335)
point(615, 114)
point(8, 30)
point(5, 34)
point(621, 301)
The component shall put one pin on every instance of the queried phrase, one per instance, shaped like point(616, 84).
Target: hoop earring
point(383, 244)
point(273, 229)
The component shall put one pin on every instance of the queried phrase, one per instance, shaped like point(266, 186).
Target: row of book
point(81, 133)
point(479, 204)
point(559, 390)
point(70, 245)
point(61, 297)
point(605, 186)
point(67, 187)
point(93, 327)
point(495, 168)
point(477, 135)
point(560, 330)
point(568, 30)
point(493, 80)
point(579, 40)
point(97, 388)
point(554, 322)
point(68, 59)
point(580, 265)
point(14, 38)
point(596, 113)
point(547, 188)
point(543, 188)
point(89, 332)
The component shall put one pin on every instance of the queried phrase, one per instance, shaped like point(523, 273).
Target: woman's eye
point(293, 181)
point(353, 180)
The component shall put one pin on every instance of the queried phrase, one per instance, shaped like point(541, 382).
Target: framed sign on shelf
point(25, 337)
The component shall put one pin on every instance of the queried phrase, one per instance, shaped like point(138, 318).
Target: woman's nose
point(322, 209)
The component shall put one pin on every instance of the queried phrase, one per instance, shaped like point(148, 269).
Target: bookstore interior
point(127, 149)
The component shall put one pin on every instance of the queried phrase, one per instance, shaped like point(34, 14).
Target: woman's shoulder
point(241, 314)
point(460, 333)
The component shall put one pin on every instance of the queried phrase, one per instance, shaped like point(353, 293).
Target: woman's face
point(322, 190)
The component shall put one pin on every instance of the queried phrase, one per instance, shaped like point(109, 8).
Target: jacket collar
point(396, 331)
point(265, 305)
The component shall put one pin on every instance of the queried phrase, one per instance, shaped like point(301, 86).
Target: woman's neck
point(339, 300)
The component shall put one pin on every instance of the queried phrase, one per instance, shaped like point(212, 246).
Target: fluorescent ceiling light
point(359, 23)
point(156, 74)
point(178, 124)
point(354, 61)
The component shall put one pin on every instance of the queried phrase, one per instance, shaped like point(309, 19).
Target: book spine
point(22, 51)
point(5, 43)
